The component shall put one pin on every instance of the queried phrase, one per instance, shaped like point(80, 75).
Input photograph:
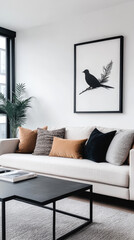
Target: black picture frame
point(105, 54)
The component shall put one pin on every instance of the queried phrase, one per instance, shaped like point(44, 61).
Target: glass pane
point(3, 61)
point(3, 120)
point(3, 83)
point(3, 65)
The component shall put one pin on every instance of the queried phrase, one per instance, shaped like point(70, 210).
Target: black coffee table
point(41, 191)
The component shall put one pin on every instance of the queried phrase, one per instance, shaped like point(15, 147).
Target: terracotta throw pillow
point(27, 140)
point(67, 148)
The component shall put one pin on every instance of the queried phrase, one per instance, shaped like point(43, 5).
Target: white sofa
point(107, 179)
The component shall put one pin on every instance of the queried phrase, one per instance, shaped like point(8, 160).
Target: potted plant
point(15, 109)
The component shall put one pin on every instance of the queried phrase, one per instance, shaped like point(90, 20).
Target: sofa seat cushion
point(81, 169)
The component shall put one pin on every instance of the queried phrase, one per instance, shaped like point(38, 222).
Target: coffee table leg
point(91, 204)
point(54, 221)
point(3, 221)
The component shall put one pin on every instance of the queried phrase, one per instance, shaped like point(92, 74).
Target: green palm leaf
point(17, 108)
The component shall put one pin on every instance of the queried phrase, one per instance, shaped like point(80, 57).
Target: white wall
point(45, 62)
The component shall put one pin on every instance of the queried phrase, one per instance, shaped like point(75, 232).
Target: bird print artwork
point(93, 82)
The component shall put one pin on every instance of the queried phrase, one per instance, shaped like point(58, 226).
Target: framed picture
point(98, 76)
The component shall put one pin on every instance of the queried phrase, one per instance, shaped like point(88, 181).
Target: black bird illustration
point(92, 81)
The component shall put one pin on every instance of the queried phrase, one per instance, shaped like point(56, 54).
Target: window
point(3, 65)
point(7, 73)
point(2, 60)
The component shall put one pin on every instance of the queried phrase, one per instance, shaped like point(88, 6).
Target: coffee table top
point(40, 190)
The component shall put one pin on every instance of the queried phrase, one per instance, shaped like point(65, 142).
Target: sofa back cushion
point(45, 140)
point(77, 133)
point(107, 129)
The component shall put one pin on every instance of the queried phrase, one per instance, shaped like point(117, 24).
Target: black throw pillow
point(96, 147)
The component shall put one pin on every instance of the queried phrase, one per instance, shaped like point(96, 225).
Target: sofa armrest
point(131, 174)
point(8, 145)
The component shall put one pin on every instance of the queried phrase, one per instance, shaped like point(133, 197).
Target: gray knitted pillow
point(45, 139)
point(118, 150)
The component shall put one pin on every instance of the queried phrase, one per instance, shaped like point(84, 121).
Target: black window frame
point(10, 65)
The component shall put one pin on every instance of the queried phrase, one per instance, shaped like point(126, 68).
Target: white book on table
point(17, 175)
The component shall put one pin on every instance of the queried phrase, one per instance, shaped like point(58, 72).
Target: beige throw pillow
point(67, 148)
point(119, 148)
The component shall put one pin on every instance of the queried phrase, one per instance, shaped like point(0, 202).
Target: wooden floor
point(120, 204)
